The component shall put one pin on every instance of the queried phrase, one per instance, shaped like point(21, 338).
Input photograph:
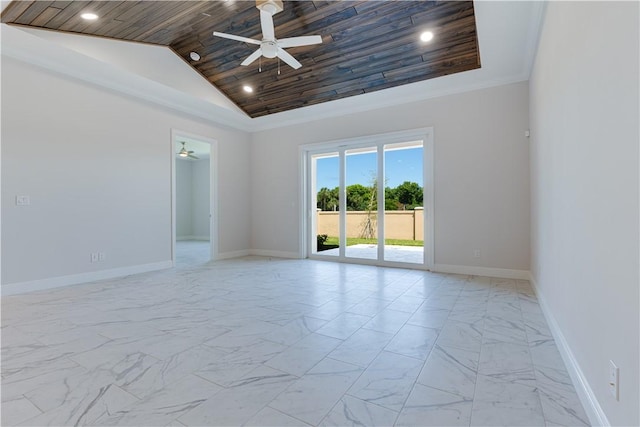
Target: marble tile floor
point(270, 342)
point(192, 252)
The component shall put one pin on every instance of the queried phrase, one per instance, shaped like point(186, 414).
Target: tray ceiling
point(367, 45)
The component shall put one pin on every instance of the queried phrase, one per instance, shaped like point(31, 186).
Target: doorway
point(193, 199)
point(370, 200)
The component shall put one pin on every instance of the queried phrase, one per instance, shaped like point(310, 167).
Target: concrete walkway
point(410, 254)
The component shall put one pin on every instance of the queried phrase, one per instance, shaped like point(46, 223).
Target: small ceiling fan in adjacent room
point(270, 47)
point(186, 153)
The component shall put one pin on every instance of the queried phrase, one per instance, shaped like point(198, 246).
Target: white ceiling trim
point(507, 35)
point(374, 101)
point(156, 63)
point(26, 47)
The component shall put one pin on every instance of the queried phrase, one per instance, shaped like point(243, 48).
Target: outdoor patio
point(409, 254)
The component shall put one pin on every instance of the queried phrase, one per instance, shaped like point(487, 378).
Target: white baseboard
point(74, 279)
point(502, 273)
point(587, 397)
point(233, 254)
point(182, 238)
point(275, 254)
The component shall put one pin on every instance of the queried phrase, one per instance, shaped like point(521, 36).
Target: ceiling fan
point(184, 153)
point(270, 47)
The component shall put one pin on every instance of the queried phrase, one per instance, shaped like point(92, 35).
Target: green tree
point(390, 199)
point(409, 194)
point(358, 197)
point(327, 199)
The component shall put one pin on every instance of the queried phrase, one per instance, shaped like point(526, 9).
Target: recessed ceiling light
point(247, 88)
point(427, 36)
point(89, 16)
point(195, 56)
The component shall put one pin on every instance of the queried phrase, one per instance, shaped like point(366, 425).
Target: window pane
point(327, 202)
point(361, 200)
point(404, 214)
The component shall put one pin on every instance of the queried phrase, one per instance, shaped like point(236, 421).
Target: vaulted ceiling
point(367, 45)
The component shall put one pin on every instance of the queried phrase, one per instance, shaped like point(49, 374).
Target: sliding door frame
point(308, 209)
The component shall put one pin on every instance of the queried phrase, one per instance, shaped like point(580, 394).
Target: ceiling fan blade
point(191, 156)
point(238, 38)
point(290, 60)
point(255, 55)
point(266, 22)
point(299, 41)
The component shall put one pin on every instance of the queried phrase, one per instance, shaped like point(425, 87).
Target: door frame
point(176, 134)
point(305, 219)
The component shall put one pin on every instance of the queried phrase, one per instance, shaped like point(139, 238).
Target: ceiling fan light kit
point(269, 46)
point(186, 153)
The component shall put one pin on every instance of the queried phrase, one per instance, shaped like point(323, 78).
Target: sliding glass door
point(404, 196)
point(368, 201)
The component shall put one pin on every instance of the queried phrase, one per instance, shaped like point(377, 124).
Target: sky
point(400, 166)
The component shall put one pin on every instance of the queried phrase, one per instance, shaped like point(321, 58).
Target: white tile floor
point(268, 342)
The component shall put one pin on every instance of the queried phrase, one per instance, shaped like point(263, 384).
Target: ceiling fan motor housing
point(270, 6)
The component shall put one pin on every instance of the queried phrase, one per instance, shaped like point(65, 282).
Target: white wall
point(200, 198)
point(192, 199)
point(97, 166)
point(481, 173)
point(584, 191)
point(184, 199)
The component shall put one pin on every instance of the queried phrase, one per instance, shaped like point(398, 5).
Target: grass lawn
point(355, 241)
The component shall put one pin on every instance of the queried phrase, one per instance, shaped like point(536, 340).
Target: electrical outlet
point(476, 253)
point(23, 201)
point(101, 256)
point(614, 380)
point(94, 256)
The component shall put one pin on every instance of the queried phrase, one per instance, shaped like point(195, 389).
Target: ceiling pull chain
point(278, 65)
point(260, 65)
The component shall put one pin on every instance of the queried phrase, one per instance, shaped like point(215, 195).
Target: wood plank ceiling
point(367, 45)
